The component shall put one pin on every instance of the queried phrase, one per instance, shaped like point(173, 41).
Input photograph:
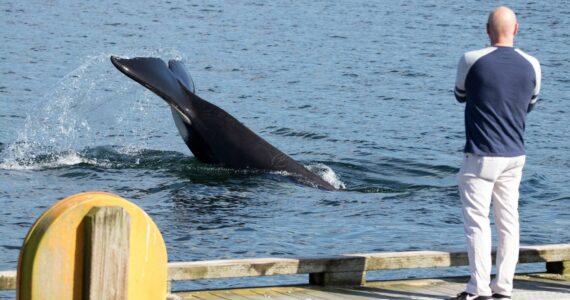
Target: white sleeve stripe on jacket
point(536, 66)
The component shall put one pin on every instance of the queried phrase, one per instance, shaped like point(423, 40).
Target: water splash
point(88, 105)
point(106, 157)
point(328, 174)
point(53, 161)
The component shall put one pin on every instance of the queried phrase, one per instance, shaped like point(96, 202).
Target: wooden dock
point(344, 276)
point(531, 287)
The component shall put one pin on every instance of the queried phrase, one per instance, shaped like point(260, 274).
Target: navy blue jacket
point(499, 86)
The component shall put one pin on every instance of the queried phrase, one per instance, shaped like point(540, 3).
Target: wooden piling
point(107, 233)
point(92, 246)
point(558, 267)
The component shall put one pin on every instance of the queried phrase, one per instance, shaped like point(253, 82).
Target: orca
point(212, 134)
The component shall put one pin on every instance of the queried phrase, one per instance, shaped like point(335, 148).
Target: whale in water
point(212, 134)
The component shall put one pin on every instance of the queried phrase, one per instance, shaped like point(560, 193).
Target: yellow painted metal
point(51, 260)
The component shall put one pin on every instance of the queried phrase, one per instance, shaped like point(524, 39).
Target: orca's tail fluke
point(179, 71)
point(155, 75)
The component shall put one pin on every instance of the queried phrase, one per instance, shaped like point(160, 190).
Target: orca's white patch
point(181, 120)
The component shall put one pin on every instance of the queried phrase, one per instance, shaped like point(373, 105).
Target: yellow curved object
point(51, 260)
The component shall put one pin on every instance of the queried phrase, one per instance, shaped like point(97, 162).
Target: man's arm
point(460, 95)
point(537, 83)
point(537, 78)
point(530, 106)
point(459, 91)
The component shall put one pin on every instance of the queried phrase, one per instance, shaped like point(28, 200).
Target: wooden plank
point(316, 294)
point(273, 294)
point(434, 291)
point(7, 280)
point(106, 253)
point(347, 263)
point(231, 268)
point(361, 293)
point(413, 259)
point(544, 253)
point(431, 259)
point(449, 288)
point(251, 294)
point(263, 267)
point(228, 295)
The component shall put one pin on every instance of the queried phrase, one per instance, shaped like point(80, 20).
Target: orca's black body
point(213, 135)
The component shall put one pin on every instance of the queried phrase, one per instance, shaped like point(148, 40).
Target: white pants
point(484, 180)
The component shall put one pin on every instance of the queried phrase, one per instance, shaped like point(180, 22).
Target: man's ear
point(516, 29)
point(488, 30)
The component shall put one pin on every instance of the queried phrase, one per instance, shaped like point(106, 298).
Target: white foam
point(328, 174)
point(62, 160)
point(281, 173)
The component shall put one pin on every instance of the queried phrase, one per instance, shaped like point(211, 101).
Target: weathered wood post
point(557, 257)
point(106, 265)
point(341, 271)
point(7, 280)
point(338, 278)
point(559, 267)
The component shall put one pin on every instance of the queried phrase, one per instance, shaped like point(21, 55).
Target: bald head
point(502, 26)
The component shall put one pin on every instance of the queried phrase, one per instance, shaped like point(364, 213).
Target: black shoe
point(467, 296)
point(499, 296)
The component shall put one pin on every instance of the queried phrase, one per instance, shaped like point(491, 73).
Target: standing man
point(499, 85)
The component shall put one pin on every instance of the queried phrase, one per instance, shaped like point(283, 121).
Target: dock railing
point(347, 269)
